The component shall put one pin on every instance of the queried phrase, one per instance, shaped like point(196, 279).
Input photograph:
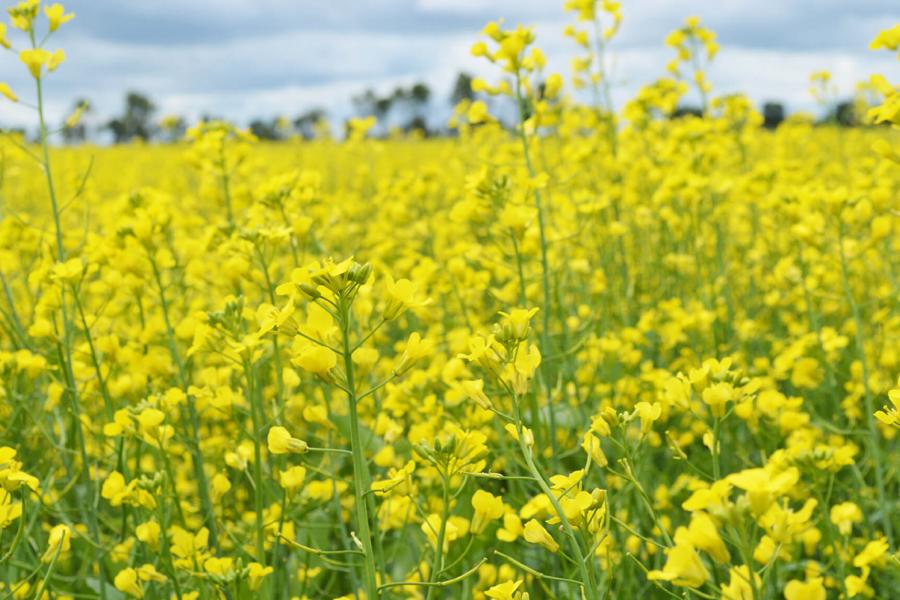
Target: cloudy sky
point(257, 58)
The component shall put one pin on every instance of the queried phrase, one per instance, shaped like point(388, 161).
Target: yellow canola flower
point(9, 510)
point(221, 485)
point(739, 584)
point(57, 16)
point(7, 91)
point(60, 542)
point(703, 534)
point(487, 508)
point(148, 533)
point(535, 533)
point(845, 515)
point(402, 296)
point(256, 573)
point(36, 59)
point(683, 567)
point(127, 582)
point(147, 572)
point(315, 359)
point(216, 565)
point(592, 446)
point(874, 553)
point(23, 14)
point(812, 589)
point(280, 441)
point(648, 414)
point(292, 479)
point(857, 585)
point(478, 112)
point(889, 39)
point(415, 351)
point(762, 486)
point(717, 396)
point(890, 415)
point(12, 477)
point(508, 590)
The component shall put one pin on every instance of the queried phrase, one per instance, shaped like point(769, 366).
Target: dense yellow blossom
point(598, 353)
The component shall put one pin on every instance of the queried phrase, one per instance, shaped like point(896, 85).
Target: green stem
point(88, 482)
point(360, 467)
point(226, 183)
point(438, 563)
point(258, 484)
point(873, 438)
point(545, 272)
point(586, 578)
point(715, 449)
point(209, 517)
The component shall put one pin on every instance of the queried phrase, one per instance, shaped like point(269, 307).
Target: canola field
point(596, 355)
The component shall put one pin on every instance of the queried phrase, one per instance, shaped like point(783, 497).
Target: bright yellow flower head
point(683, 567)
point(23, 14)
point(316, 359)
point(56, 16)
point(148, 533)
point(292, 478)
point(256, 574)
point(739, 587)
point(508, 590)
point(812, 589)
point(889, 39)
point(890, 415)
point(703, 534)
point(535, 533)
point(402, 296)
point(845, 515)
point(34, 59)
point(487, 508)
point(60, 541)
point(127, 582)
point(9, 510)
point(874, 553)
point(280, 441)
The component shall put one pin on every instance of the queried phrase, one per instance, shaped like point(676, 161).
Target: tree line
point(404, 108)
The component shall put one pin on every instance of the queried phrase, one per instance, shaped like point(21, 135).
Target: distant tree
point(462, 89)
point(411, 104)
point(773, 114)
point(265, 130)
point(136, 122)
point(74, 129)
point(305, 123)
point(364, 103)
point(370, 103)
point(687, 111)
point(845, 114)
point(383, 107)
point(420, 93)
point(417, 98)
point(173, 127)
point(418, 123)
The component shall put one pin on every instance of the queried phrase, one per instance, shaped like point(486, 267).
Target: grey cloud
point(206, 22)
point(241, 58)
